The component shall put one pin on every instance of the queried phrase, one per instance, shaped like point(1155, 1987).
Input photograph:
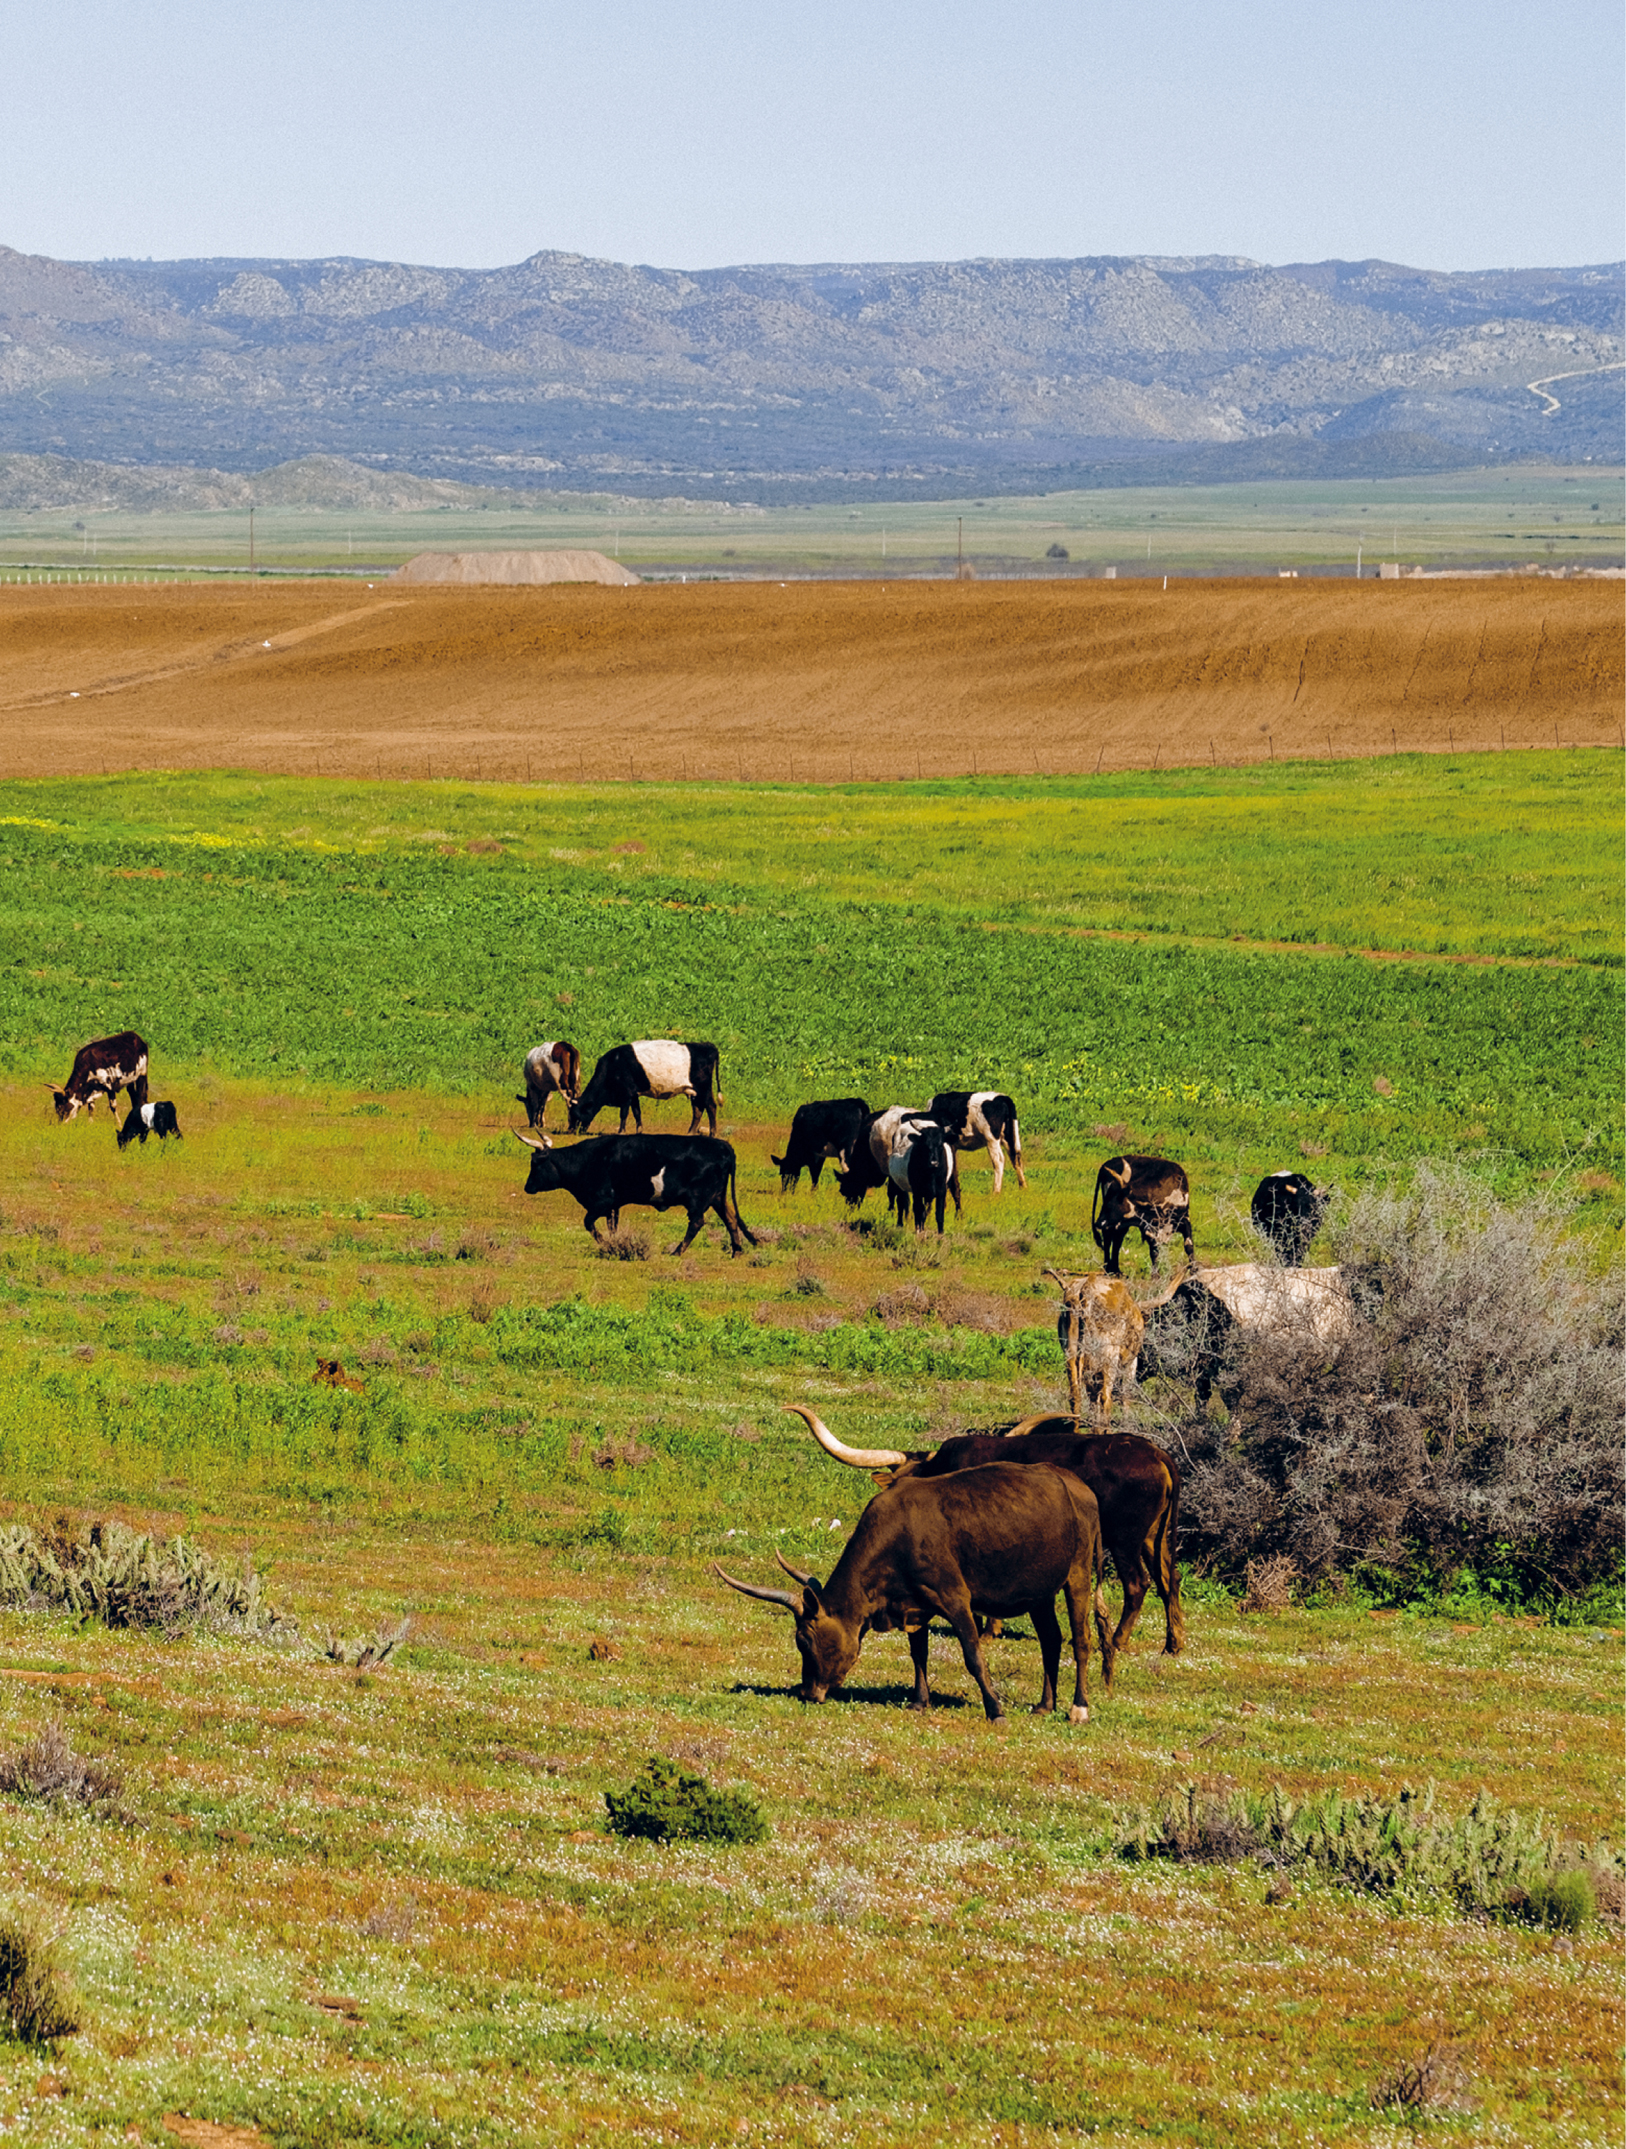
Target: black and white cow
point(917, 1169)
point(1195, 1334)
point(869, 1159)
point(550, 1070)
point(101, 1069)
point(156, 1118)
point(642, 1171)
point(972, 1116)
point(653, 1067)
point(1287, 1210)
point(828, 1127)
point(1146, 1194)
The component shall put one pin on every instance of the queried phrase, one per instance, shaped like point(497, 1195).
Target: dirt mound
point(512, 567)
point(814, 681)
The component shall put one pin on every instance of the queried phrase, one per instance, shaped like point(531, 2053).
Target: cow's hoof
point(1076, 1715)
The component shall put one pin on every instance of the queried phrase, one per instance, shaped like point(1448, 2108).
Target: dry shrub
point(1118, 1134)
point(37, 2001)
point(745, 1431)
point(1435, 2082)
point(393, 1920)
point(623, 1453)
point(809, 1283)
point(958, 1307)
point(483, 1302)
point(625, 1243)
point(49, 1769)
point(476, 1244)
point(1270, 1583)
point(905, 1305)
point(1471, 1420)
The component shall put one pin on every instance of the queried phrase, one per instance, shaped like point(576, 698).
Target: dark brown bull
point(1136, 1487)
point(996, 1542)
point(101, 1069)
point(1146, 1194)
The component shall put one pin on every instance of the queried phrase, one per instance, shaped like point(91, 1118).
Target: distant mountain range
point(778, 384)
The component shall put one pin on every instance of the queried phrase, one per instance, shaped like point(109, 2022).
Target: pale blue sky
point(474, 132)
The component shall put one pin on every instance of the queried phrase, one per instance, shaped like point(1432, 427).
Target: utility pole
point(1357, 563)
point(251, 540)
point(959, 548)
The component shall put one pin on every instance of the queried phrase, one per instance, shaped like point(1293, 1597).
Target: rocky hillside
point(568, 372)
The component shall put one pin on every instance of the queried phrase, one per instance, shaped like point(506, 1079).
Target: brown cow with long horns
point(1135, 1484)
point(995, 1542)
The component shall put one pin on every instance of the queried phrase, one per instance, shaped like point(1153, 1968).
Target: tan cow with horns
point(1100, 1328)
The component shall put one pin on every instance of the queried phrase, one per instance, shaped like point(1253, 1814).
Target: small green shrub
point(667, 1805)
point(37, 2001)
point(1563, 1902)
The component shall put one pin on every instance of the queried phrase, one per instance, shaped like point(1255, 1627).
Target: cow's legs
point(813, 1171)
point(1048, 1628)
point(965, 1628)
point(696, 1218)
point(733, 1223)
point(590, 1224)
point(920, 1639)
point(1130, 1560)
point(996, 1157)
point(954, 1179)
point(1080, 1588)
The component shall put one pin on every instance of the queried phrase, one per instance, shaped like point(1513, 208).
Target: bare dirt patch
point(808, 682)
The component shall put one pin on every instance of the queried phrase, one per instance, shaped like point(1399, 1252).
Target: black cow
point(156, 1118)
point(833, 1127)
point(1287, 1210)
point(1147, 1193)
point(917, 1171)
point(1136, 1486)
point(642, 1171)
point(653, 1067)
point(993, 1542)
point(101, 1069)
point(985, 1117)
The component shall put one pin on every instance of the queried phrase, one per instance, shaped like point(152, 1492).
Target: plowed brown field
point(807, 680)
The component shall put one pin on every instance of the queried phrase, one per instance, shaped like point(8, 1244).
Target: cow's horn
point(855, 1458)
point(1150, 1305)
point(1028, 1425)
point(530, 1140)
point(56, 1089)
point(767, 1596)
point(807, 1581)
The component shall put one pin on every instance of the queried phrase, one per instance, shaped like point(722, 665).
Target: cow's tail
point(734, 1204)
point(1167, 1569)
point(1095, 1205)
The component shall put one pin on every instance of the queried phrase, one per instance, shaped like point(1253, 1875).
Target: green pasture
point(1546, 515)
point(381, 1908)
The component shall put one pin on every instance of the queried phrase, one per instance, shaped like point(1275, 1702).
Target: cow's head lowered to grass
point(828, 1645)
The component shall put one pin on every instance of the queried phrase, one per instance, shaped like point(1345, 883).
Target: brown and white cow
point(1100, 1328)
point(1146, 1194)
point(550, 1070)
point(101, 1069)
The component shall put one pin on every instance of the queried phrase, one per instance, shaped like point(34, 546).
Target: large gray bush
point(1472, 1421)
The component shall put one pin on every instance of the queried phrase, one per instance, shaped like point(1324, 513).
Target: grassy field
point(1549, 516)
point(331, 1908)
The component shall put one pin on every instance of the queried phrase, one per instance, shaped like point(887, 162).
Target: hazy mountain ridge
point(572, 372)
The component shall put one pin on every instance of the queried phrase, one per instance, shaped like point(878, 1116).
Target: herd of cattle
point(993, 1524)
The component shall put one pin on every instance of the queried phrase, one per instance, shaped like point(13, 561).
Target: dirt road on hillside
point(807, 681)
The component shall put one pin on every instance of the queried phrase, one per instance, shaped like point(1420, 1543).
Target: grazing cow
point(1136, 1487)
point(996, 1542)
point(551, 1069)
point(1099, 1328)
point(156, 1118)
point(101, 1069)
point(1287, 1210)
point(832, 1127)
point(645, 1171)
point(970, 1116)
point(1148, 1193)
point(917, 1167)
point(653, 1067)
point(1307, 1308)
point(869, 1160)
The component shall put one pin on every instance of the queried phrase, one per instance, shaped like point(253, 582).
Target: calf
point(970, 1116)
point(156, 1118)
point(648, 1171)
point(917, 1168)
point(101, 1069)
point(653, 1067)
point(997, 1541)
point(1147, 1193)
point(831, 1127)
point(1136, 1486)
point(550, 1070)
point(1287, 1210)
